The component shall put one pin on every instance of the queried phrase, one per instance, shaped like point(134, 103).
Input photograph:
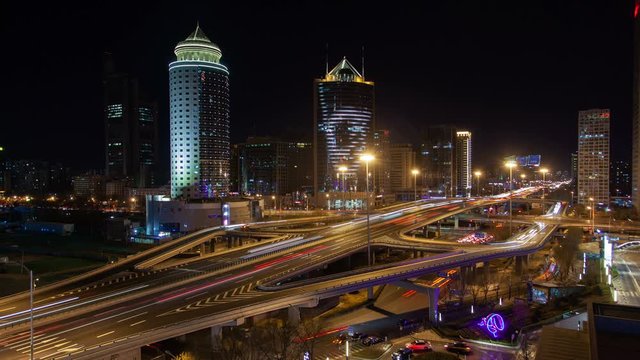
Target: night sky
point(514, 73)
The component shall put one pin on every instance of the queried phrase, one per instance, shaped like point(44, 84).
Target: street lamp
point(367, 158)
point(510, 165)
point(478, 174)
point(273, 198)
point(544, 172)
point(523, 177)
point(31, 289)
point(415, 173)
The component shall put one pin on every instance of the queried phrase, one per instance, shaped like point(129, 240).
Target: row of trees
point(271, 339)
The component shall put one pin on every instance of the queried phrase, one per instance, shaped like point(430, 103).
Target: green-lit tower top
point(198, 47)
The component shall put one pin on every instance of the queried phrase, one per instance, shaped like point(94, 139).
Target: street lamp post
point(544, 172)
point(367, 158)
point(511, 165)
point(415, 173)
point(31, 289)
point(478, 174)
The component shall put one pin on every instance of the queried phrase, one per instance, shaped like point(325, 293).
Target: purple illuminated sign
point(494, 323)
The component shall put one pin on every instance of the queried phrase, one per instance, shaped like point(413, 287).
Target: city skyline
point(444, 88)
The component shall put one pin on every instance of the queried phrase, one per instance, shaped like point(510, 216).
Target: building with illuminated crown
point(199, 120)
point(343, 124)
point(464, 170)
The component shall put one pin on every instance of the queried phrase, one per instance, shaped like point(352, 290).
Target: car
point(401, 354)
point(419, 345)
point(340, 339)
point(372, 340)
point(458, 347)
point(357, 336)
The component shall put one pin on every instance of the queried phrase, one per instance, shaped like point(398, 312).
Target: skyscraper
point(635, 160)
point(403, 159)
point(438, 159)
point(263, 166)
point(199, 120)
point(464, 171)
point(131, 129)
point(593, 156)
point(620, 178)
point(382, 170)
point(343, 122)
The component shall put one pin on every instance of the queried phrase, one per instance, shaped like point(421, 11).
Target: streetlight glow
point(367, 158)
point(415, 173)
point(478, 173)
point(510, 164)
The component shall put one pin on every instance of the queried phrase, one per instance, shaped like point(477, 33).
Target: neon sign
point(494, 323)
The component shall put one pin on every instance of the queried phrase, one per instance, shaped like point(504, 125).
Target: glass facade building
point(438, 159)
point(131, 129)
point(199, 120)
point(344, 119)
point(593, 156)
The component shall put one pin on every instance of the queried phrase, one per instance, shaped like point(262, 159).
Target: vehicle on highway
point(419, 345)
point(357, 336)
point(458, 347)
point(372, 340)
point(401, 354)
point(340, 339)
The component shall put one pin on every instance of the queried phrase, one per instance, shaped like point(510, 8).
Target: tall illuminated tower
point(635, 178)
point(463, 163)
point(199, 120)
point(343, 123)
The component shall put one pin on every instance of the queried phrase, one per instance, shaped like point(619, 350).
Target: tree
point(307, 335)
point(566, 252)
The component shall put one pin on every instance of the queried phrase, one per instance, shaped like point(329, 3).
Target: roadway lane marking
point(9, 308)
point(196, 295)
point(131, 317)
point(105, 334)
point(137, 323)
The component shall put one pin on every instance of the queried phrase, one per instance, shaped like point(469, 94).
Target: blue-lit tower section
point(344, 120)
point(199, 120)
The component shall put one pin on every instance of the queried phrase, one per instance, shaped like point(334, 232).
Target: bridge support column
point(434, 294)
point(370, 293)
point(522, 263)
point(240, 241)
point(229, 242)
point(486, 268)
point(466, 272)
point(294, 314)
point(456, 222)
point(202, 250)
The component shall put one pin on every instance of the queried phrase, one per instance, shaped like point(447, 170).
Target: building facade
point(593, 156)
point(464, 170)
point(382, 170)
point(574, 169)
point(635, 158)
point(131, 129)
point(620, 178)
point(437, 154)
point(402, 160)
point(343, 123)
point(263, 166)
point(199, 120)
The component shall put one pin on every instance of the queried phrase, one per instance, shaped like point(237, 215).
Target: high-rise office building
point(33, 177)
point(263, 166)
point(382, 170)
point(199, 120)
point(593, 156)
point(635, 159)
point(403, 159)
point(131, 129)
point(620, 178)
point(300, 168)
point(464, 171)
point(343, 122)
point(574, 169)
point(438, 159)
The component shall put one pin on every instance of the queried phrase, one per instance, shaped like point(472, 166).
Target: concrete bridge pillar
point(486, 268)
point(203, 251)
point(294, 314)
point(522, 264)
point(229, 242)
point(240, 240)
point(434, 294)
point(456, 222)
